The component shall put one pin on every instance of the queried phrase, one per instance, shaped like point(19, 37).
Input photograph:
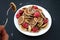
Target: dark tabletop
point(53, 7)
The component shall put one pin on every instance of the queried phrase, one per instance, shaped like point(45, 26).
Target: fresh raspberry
point(45, 20)
point(36, 14)
point(20, 12)
point(35, 7)
point(17, 15)
point(35, 29)
point(25, 25)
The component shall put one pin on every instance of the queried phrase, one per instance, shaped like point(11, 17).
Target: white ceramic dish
point(43, 31)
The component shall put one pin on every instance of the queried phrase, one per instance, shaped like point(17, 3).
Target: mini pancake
point(13, 6)
point(20, 19)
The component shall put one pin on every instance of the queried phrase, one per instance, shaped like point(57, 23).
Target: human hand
point(3, 33)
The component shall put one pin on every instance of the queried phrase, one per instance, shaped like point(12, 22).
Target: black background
point(53, 7)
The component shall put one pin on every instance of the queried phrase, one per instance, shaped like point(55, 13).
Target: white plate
point(45, 12)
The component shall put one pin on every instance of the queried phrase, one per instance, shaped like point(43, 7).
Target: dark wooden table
point(53, 7)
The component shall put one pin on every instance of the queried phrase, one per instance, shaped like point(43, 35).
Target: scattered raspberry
point(21, 12)
point(45, 20)
point(17, 15)
point(25, 25)
point(35, 7)
point(36, 14)
point(34, 29)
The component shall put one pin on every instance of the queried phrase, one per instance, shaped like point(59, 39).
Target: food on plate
point(32, 19)
point(13, 6)
point(20, 19)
